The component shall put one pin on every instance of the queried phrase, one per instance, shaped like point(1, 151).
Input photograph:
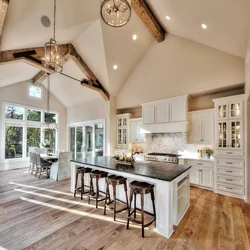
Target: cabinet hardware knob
point(199, 164)
point(229, 179)
point(229, 171)
point(229, 153)
point(229, 188)
point(229, 163)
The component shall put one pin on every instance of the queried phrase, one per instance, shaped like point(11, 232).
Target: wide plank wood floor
point(43, 214)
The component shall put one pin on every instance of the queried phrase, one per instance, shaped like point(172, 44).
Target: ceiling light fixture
point(48, 126)
point(168, 18)
point(134, 37)
point(115, 67)
point(53, 51)
point(115, 13)
point(204, 26)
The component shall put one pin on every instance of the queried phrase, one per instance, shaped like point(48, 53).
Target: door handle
point(229, 171)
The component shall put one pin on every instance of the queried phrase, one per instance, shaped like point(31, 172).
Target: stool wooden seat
point(114, 181)
point(96, 174)
point(141, 188)
point(81, 171)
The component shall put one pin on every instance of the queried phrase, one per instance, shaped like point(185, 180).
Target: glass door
point(79, 142)
point(72, 142)
point(235, 110)
point(222, 111)
point(88, 138)
point(99, 140)
point(222, 134)
point(236, 131)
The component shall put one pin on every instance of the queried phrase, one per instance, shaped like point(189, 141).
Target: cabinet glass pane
point(222, 111)
point(222, 132)
point(235, 134)
point(124, 135)
point(119, 136)
point(235, 109)
point(124, 122)
point(119, 122)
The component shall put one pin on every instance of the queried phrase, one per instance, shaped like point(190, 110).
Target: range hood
point(169, 127)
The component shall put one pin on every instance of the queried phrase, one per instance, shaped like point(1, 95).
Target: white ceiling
point(228, 22)
point(102, 46)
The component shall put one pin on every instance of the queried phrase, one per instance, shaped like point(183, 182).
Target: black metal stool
point(81, 171)
point(97, 175)
point(141, 188)
point(114, 181)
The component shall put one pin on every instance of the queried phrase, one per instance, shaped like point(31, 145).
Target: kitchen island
point(172, 190)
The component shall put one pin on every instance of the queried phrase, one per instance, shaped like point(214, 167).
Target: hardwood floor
point(43, 214)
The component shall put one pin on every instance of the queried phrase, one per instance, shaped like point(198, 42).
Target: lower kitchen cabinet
point(201, 173)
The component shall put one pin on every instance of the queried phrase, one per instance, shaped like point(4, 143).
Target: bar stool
point(114, 181)
point(97, 175)
point(81, 171)
point(141, 188)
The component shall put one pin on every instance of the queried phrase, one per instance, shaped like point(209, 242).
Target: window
point(13, 142)
point(33, 115)
point(33, 138)
point(50, 117)
point(35, 91)
point(50, 136)
point(13, 112)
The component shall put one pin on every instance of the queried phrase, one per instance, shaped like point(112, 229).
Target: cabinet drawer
point(231, 189)
point(231, 172)
point(231, 180)
point(231, 163)
point(198, 163)
point(230, 152)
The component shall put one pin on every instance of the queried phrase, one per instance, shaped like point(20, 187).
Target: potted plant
point(46, 144)
point(209, 152)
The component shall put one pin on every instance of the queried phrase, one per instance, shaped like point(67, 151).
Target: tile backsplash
point(171, 142)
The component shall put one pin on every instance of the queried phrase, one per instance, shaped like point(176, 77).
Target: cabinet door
point(178, 111)
point(119, 137)
point(148, 114)
point(236, 131)
point(222, 134)
point(195, 175)
point(195, 125)
point(161, 112)
point(206, 177)
point(140, 135)
point(133, 131)
point(207, 127)
point(222, 111)
point(235, 110)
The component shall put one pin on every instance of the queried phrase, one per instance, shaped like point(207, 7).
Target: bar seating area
point(136, 187)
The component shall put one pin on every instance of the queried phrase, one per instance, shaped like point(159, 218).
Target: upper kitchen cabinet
point(122, 124)
point(201, 127)
point(136, 134)
point(165, 111)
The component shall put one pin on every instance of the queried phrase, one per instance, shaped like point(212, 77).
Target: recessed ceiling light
point(115, 67)
point(134, 37)
point(204, 26)
point(168, 18)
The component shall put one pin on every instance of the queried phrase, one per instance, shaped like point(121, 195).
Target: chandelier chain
point(54, 19)
point(48, 97)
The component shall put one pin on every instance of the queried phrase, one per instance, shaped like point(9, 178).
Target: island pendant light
point(53, 51)
point(115, 13)
point(48, 126)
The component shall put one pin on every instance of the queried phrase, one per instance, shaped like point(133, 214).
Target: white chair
point(60, 170)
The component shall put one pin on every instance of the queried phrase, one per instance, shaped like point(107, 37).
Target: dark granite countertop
point(155, 170)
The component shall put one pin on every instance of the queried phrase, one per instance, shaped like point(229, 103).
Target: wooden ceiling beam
point(146, 15)
point(40, 76)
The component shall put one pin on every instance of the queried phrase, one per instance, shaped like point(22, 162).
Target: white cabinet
point(201, 127)
point(201, 173)
point(122, 130)
point(148, 114)
point(166, 110)
point(229, 109)
point(136, 134)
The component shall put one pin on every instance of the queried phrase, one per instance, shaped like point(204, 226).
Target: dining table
point(52, 158)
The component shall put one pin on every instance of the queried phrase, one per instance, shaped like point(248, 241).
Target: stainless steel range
point(163, 157)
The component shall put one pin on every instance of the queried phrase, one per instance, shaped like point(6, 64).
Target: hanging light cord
point(54, 19)
point(48, 100)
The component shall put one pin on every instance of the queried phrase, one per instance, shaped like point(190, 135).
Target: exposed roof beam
point(146, 15)
point(4, 4)
point(35, 57)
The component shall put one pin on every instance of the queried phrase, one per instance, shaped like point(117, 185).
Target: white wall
point(176, 67)
point(93, 110)
point(18, 93)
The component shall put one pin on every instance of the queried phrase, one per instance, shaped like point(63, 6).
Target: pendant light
point(48, 126)
point(53, 51)
point(115, 13)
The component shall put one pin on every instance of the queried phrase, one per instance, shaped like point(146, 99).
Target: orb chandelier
point(115, 13)
point(47, 125)
point(53, 51)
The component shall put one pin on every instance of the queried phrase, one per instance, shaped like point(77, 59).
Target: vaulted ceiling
point(102, 46)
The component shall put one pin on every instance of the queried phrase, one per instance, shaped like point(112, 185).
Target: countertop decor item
point(115, 13)
point(209, 152)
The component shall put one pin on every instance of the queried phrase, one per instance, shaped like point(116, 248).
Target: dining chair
point(32, 162)
point(42, 166)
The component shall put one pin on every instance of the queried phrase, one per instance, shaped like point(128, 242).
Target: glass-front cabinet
point(230, 134)
point(229, 110)
point(122, 130)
